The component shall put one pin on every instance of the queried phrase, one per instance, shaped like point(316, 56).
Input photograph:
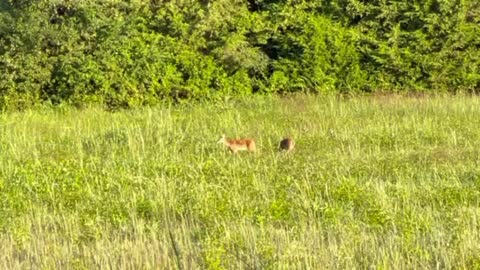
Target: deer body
point(286, 144)
point(236, 145)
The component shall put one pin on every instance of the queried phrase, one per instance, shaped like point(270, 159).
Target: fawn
point(286, 144)
point(236, 145)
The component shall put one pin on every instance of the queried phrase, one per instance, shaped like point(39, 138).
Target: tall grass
point(386, 183)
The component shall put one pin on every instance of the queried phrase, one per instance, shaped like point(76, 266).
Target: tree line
point(136, 52)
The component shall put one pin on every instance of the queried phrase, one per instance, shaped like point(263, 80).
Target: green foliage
point(315, 54)
point(416, 45)
point(130, 53)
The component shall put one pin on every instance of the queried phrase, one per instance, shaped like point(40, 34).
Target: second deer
point(287, 144)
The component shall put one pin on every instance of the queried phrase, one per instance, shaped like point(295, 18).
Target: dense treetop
point(128, 53)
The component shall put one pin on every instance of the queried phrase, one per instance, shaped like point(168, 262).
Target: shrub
point(124, 54)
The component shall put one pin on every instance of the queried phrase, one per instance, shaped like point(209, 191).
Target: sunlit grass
point(385, 182)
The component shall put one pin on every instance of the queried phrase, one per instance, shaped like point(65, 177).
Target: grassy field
point(375, 183)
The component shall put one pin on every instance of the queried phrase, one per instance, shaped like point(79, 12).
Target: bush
point(124, 54)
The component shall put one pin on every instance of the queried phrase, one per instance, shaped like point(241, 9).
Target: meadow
point(385, 182)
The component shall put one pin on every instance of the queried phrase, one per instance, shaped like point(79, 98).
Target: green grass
point(383, 183)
